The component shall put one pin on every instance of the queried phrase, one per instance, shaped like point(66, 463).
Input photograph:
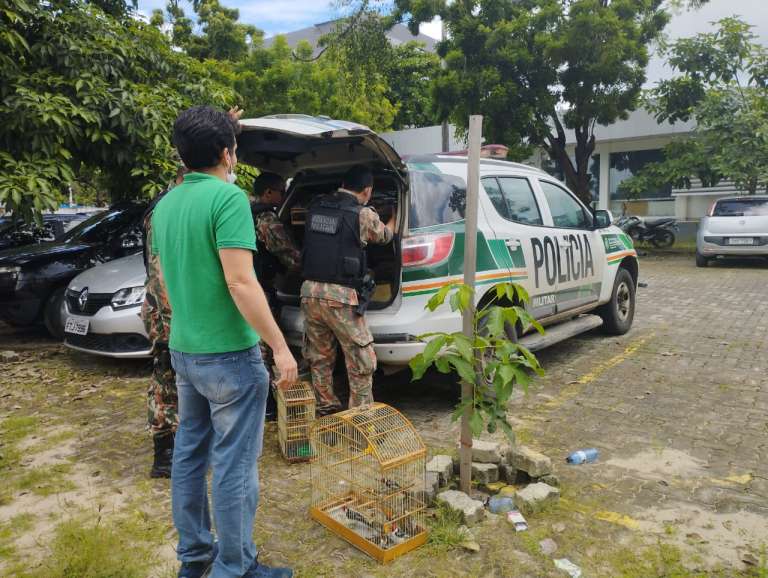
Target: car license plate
point(740, 241)
point(76, 326)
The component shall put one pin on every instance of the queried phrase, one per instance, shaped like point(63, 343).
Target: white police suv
point(580, 271)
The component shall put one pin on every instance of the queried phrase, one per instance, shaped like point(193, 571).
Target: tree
point(536, 69)
point(82, 92)
point(721, 85)
point(409, 74)
point(490, 362)
point(275, 80)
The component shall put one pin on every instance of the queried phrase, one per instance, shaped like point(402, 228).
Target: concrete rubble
point(472, 511)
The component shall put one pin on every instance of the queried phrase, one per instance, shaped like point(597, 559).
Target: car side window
point(521, 203)
point(566, 211)
point(493, 190)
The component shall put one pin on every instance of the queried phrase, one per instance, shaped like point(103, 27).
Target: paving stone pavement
point(678, 407)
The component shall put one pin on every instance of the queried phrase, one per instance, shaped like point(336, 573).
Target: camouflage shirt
point(272, 233)
point(156, 310)
point(372, 230)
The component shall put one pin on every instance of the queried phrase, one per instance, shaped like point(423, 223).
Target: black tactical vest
point(267, 266)
point(333, 251)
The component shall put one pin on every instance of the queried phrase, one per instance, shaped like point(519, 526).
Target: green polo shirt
point(189, 226)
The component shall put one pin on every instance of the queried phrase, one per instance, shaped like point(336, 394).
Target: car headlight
point(129, 297)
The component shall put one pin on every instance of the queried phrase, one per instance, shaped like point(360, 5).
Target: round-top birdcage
point(368, 470)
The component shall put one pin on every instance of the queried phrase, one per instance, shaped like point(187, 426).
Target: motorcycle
point(660, 233)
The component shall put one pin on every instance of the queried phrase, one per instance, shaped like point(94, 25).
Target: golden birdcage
point(295, 415)
point(368, 473)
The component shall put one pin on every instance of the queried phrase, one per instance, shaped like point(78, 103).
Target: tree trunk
point(576, 177)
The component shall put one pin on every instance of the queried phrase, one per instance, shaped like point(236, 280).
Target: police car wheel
point(619, 312)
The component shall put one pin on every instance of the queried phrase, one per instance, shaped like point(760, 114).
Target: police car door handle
point(512, 243)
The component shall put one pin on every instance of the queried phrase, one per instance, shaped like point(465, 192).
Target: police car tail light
point(426, 250)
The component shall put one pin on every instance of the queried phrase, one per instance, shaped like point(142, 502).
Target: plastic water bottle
point(582, 457)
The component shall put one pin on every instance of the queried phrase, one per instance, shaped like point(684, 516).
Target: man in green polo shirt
point(204, 236)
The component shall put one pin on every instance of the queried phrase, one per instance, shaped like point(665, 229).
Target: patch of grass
point(658, 560)
point(12, 431)
point(45, 481)
point(12, 529)
point(92, 548)
point(444, 531)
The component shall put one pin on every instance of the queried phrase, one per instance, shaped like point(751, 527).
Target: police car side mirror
point(603, 219)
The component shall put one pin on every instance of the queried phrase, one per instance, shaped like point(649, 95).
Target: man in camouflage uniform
point(276, 253)
point(338, 228)
point(162, 401)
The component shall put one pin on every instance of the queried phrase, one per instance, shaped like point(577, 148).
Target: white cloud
point(275, 16)
point(432, 29)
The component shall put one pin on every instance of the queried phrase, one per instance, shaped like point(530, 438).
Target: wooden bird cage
point(295, 415)
point(368, 470)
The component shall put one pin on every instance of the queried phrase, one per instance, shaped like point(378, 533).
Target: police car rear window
point(436, 198)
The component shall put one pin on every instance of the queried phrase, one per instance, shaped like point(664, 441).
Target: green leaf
point(465, 369)
point(507, 429)
point(432, 348)
point(418, 367)
point(506, 373)
point(464, 347)
point(476, 423)
point(465, 296)
point(459, 409)
point(442, 365)
point(495, 324)
point(439, 298)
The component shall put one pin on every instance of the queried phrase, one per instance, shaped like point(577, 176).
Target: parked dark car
point(19, 233)
point(34, 278)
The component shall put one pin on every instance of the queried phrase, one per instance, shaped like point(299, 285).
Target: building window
point(553, 168)
point(627, 164)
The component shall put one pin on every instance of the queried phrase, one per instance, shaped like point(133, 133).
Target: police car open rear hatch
point(289, 143)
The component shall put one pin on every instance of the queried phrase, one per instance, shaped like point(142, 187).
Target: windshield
point(101, 226)
point(436, 198)
point(741, 208)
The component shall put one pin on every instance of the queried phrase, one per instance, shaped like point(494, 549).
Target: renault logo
point(82, 300)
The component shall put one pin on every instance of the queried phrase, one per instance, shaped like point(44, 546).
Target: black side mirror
point(603, 219)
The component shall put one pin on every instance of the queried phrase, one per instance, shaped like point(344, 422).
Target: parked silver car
point(102, 310)
point(734, 227)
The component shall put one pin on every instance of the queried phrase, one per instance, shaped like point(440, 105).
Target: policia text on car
point(338, 285)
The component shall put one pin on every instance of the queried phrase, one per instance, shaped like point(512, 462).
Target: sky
point(278, 16)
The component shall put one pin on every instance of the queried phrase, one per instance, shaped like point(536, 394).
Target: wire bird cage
point(368, 470)
point(295, 415)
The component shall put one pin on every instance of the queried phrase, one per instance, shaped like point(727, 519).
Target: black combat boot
point(161, 468)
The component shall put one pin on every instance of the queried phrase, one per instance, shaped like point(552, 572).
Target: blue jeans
point(222, 397)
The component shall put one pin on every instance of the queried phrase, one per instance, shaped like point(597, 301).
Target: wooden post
point(470, 267)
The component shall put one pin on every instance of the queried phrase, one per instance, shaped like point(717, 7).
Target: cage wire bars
point(368, 473)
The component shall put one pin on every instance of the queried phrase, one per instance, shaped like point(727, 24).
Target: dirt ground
point(678, 409)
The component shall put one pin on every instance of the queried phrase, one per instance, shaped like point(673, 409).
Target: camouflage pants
point(162, 400)
point(326, 325)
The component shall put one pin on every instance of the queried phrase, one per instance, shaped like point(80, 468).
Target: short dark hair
point(201, 133)
point(357, 178)
point(267, 181)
